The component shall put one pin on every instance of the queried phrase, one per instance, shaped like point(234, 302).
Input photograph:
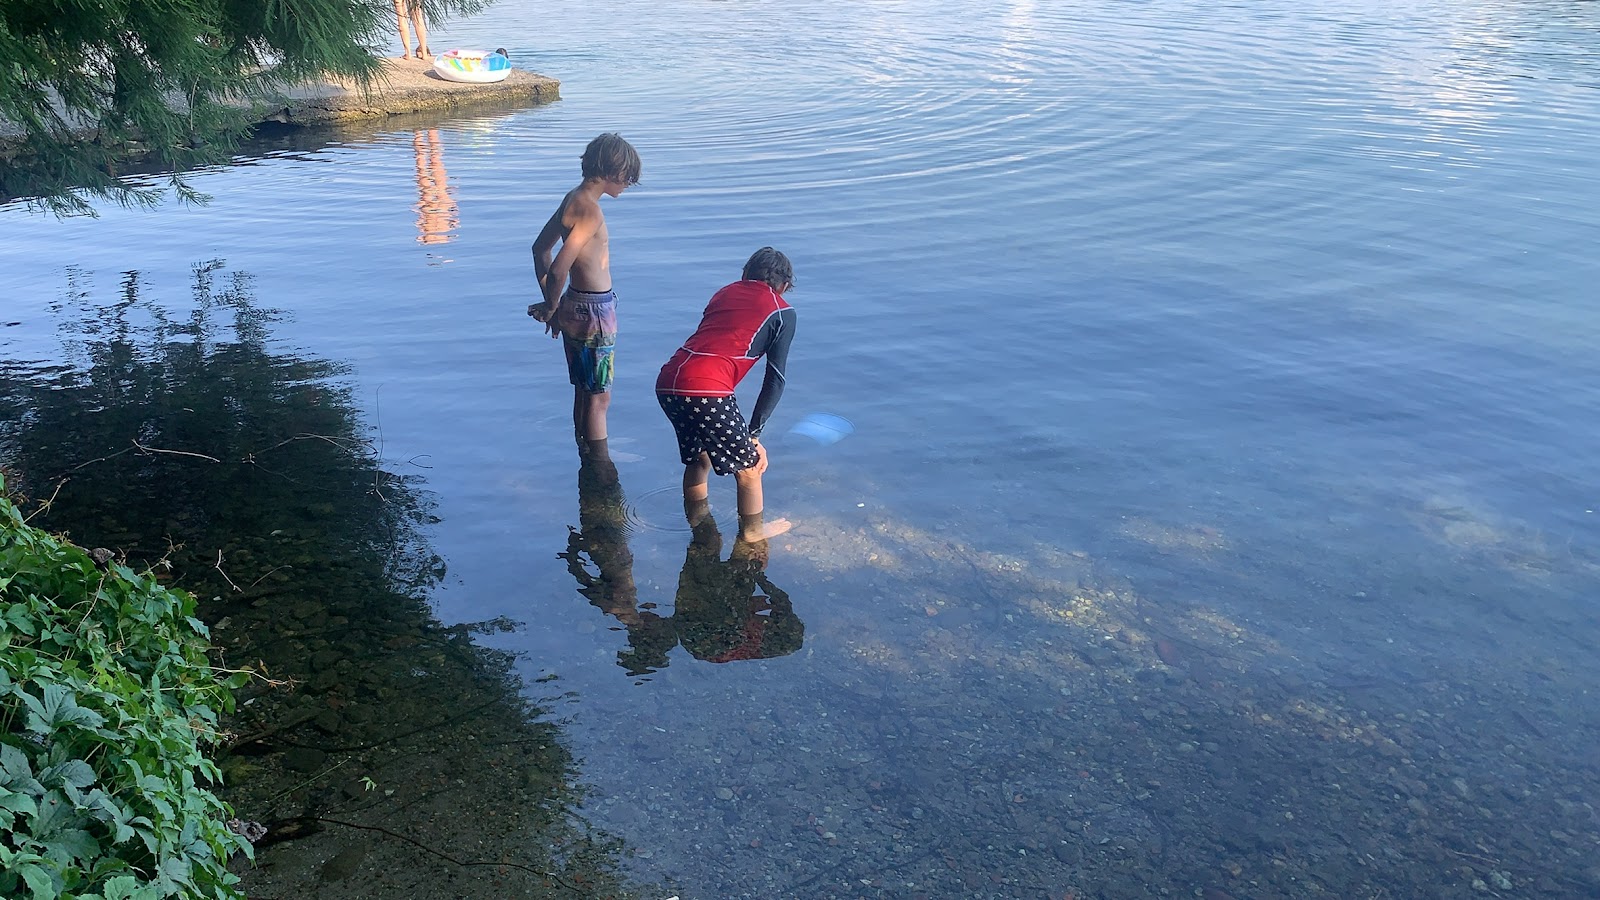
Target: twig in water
point(269, 572)
point(299, 718)
point(100, 459)
point(360, 748)
point(144, 449)
point(309, 781)
point(377, 469)
point(251, 460)
point(345, 444)
point(218, 567)
point(451, 859)
point(1482, 859)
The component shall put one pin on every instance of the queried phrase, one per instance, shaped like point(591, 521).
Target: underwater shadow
point(384, 753)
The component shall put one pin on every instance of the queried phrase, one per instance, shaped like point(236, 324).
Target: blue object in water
point(824, 428)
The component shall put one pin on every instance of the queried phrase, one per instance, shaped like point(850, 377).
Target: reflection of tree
point(725, 610)
point(436, 208)
point(249, 472)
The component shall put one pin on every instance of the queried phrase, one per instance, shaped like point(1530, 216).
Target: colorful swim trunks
point(588, 324)
point(710, 425)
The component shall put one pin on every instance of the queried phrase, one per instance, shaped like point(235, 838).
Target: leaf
point(74, 772)
point(21, 804)
point(58, 708)
point(73, 844)
point(18, 617)
point(14, 762)
point(176, 870)
point(54, 815)
point(121, 887)
point(39, 881)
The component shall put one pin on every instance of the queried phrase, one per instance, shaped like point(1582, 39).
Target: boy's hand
point(542, 312)
point(761, 456)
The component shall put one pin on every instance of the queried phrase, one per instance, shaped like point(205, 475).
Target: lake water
point(1220, 513)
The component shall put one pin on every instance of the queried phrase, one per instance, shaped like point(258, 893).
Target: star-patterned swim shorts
point(710, 425)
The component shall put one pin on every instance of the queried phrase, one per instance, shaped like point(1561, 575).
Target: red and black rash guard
point(743, 322)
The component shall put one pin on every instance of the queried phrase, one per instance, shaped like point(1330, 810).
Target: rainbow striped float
point(472, 66)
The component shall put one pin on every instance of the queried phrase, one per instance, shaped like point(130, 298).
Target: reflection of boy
point(724, 610)
point(579, 304)
point(436, 209)
point(602, 536)
point(745, 321)
point(601, 541)
point(729, 610)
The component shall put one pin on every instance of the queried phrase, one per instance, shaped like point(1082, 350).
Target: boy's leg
point(578, 409)
point(588, 325)
point(752, 523)
point(695, 478)
point(589, 413)
point(748, 485)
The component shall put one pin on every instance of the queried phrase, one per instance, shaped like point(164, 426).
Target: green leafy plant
point(108, 703)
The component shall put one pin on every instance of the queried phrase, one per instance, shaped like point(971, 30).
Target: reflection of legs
point(598, 454)
point(696, 511)
point(589, 414)
point(436, 209)
point(602, 516)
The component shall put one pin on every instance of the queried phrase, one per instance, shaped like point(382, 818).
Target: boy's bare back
point(610, 166)
point(580, 226)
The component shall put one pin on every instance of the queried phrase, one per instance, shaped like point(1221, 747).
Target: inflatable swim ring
point(472, 66)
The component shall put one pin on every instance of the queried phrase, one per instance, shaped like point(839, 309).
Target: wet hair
point(770, 266)
point(609, 156)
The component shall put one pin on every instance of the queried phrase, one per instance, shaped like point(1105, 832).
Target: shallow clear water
point(1219, 513)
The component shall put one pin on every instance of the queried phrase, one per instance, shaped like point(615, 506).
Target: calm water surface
point(1220, 513)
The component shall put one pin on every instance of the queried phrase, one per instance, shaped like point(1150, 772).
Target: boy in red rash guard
point(744, 322)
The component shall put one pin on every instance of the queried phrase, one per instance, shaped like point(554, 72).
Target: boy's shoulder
point(577, 205)
point(750, 293)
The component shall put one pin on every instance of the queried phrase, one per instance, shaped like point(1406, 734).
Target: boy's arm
point(555, 278)
point(543, 247)
point(777, 355)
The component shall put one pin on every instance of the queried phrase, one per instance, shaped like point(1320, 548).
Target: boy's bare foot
point(760, 531)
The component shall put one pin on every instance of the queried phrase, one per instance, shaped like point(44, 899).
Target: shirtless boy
point(744, 322)
point(579, 304)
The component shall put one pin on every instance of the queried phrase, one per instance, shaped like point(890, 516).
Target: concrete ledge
point(408, 86)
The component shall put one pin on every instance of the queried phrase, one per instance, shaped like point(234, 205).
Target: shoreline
point(407, 86)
